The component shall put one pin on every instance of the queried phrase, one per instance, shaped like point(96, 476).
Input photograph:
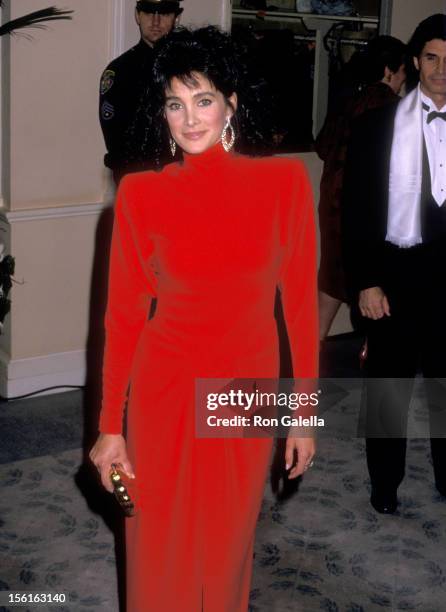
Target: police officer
point(124, 80)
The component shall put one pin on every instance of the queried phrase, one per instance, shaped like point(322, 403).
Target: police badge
point(107, 81)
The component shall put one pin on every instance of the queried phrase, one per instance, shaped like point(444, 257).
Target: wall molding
point(57, 212)
point(117, 33)
point(22, 376)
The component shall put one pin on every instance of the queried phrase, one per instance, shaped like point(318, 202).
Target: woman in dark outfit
point(384, 74)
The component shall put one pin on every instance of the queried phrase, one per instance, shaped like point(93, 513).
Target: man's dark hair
point(434, 27)
point(213, 54)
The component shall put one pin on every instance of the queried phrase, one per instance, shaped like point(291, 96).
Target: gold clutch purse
point(120, 491)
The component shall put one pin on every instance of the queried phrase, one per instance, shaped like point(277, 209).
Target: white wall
point(54, 190)
point(130, 28)
point(56, 150)
point(407, 14)
point(214, 12)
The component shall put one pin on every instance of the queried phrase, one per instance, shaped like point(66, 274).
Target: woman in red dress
point(211, 238)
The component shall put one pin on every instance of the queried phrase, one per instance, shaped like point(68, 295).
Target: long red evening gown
point(211, 238)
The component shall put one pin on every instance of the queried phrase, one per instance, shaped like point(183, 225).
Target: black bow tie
point(433, 114)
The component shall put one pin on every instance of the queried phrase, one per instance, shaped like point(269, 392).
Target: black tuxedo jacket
point(365, 208)
point(365, 198)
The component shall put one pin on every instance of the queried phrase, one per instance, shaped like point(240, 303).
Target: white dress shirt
point(435, 138)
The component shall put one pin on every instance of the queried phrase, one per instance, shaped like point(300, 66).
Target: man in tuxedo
point(394, 230)
point(125, 79)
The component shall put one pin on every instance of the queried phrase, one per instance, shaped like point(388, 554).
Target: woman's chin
point(195, 147)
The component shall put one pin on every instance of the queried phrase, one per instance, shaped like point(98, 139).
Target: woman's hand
point(306, 449)
point(108, 449)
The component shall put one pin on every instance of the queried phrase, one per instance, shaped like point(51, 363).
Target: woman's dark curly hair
point(215, 55)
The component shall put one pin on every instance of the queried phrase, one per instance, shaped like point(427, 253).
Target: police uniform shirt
point(121, 88)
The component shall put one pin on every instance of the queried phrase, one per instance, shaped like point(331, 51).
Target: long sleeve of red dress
point(129, 295)
point(212, 238)
point(298, 283)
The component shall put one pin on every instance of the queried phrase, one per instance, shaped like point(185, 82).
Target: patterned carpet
point(51, 541)
point(322, 548)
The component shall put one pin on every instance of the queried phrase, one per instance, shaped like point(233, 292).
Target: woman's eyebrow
point(204, 93)
point(197, 95)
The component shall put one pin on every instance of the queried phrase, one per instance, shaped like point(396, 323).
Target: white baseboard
point(22, 376)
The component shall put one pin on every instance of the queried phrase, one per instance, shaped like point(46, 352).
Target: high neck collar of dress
point(212, 157)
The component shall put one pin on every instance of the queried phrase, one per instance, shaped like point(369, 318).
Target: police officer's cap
point(159, 6)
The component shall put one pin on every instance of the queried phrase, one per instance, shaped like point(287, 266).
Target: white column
point(118, 13)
